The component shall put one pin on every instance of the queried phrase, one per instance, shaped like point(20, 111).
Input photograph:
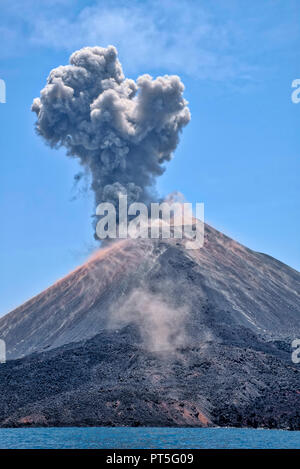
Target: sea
point(146, 438)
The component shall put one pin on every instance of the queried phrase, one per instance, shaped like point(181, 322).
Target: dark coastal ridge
point(147, 333)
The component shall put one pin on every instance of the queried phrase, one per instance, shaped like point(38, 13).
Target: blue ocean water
point(160, 438)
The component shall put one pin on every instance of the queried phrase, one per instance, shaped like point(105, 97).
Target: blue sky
point(240, 154)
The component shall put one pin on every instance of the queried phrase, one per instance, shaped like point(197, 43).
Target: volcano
point(149, 333)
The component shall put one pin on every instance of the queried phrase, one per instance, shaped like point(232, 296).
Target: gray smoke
point(161, 324)
point(122, 131)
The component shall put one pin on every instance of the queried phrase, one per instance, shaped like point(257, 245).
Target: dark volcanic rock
point(107, 380)
point(149, 333)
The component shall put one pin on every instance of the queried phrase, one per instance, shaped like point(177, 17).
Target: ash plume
point(161, 324)
point(121, 130)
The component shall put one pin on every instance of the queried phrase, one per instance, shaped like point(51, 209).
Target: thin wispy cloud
point(170, 35)
point(196, 38)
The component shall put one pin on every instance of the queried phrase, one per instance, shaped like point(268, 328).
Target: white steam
point(160, 324)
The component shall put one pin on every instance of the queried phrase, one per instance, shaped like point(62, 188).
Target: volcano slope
point(149, 333)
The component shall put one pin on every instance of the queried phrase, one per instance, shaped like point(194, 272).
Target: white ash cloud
point(161, 324)
point(121, 130)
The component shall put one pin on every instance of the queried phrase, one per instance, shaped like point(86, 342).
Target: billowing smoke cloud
point(121, 130)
